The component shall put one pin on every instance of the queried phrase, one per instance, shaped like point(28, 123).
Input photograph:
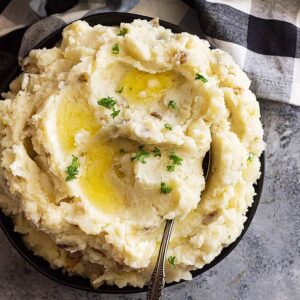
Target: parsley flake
point(171, 260)
point(156, 152)
point(72, 170)
point(172, 104)
point(109, 103)
point(171, 168)
point(123, 31)
point(115, 113)
point(177, 160)
point(120, 90)
point(141, 155)
point(164, 188)
point(115, 49)
point(250, 157)
point(200, 77)
point(168, 126)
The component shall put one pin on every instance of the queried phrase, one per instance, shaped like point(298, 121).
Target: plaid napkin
point(262, 36)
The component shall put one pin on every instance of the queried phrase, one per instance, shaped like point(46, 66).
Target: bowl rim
point(59, 275)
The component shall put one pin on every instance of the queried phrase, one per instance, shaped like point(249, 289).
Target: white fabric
point(295, 94)
point(242, 5)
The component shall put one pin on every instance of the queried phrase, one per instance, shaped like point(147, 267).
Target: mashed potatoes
point(103, 138)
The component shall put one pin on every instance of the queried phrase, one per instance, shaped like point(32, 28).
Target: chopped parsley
point(123, 31)
point(115, 49)
point(200, 77)
point(168, 126)
point(250, 157)
point(172, 104)
point(109, 103)
point(120, 90)
point(176, 161)
point(141, 155)
point(72, 170)
point(164, 188)
point(115, 113)
point(156, 152)
point(171, 260)
point(171, 168)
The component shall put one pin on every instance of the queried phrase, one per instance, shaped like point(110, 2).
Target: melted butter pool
point(73, 115)
point(94, 180)
point(142, 87)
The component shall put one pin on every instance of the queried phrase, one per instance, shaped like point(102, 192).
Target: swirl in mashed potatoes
point(103, 138)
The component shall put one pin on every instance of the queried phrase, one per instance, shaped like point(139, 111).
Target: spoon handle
point(157, 281)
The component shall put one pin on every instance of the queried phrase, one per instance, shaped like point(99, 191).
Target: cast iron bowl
point(59, 275)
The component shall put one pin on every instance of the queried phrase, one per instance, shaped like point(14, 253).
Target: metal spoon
point(157, 281)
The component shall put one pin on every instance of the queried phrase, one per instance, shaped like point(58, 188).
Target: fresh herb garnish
point(172, 104)
point(176, 161)
point(156, 152)
point(171, 260)
point(120, 90)
point(109, 103)
point(250, 157)
point(141, 155)
point(115, 49)
point(115, 113)
point(171, 168)
point(72, 170)
point(168, 126)
point(164, 188)
point(200, 77)
point(123, 31)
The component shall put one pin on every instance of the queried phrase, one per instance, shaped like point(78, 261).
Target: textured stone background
point(266, 263)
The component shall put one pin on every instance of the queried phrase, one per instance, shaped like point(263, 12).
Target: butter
point(73, 115)
point(143, 88)
point(94, 181)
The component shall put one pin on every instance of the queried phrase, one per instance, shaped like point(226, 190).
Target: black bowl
point(78, 282)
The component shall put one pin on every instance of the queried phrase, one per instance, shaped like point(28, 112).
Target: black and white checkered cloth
point(263, 36)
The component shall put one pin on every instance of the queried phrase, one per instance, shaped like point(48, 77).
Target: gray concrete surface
point(266, 263)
